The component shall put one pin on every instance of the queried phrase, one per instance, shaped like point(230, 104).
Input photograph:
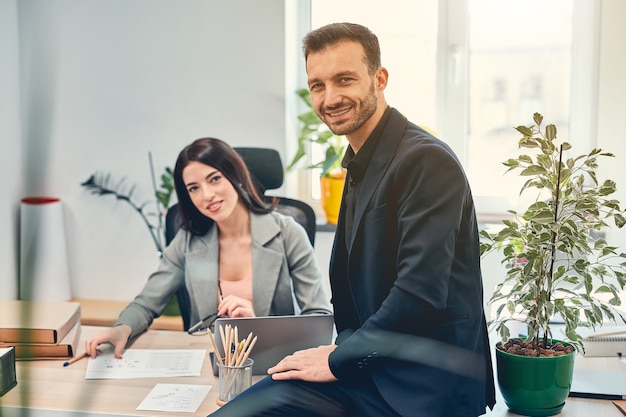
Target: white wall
point(104, 82)
point(10, 180)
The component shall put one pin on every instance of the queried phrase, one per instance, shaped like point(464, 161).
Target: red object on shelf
point(39, 200)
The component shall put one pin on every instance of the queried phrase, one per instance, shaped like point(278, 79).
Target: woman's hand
point(117, 336)
point(233, 306)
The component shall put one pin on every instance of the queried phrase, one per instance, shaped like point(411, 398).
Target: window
point(519, 63)
point(471, 70)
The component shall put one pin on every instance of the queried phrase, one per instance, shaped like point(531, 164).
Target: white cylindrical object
point(44, 272)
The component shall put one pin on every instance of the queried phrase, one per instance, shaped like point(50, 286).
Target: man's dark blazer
point(407, 292)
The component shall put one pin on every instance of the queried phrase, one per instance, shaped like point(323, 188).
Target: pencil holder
point(233, 380)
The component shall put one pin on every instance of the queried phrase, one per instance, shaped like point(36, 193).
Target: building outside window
point(471, 70)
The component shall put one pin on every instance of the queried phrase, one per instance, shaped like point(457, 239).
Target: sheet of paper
point(146, 363)
point(175, 398)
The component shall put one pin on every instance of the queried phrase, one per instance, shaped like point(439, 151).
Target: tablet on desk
point(278, 336)
point(602, 385)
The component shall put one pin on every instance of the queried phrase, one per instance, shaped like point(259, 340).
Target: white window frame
point(452, 88)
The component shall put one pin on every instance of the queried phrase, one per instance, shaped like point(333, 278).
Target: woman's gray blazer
point(285, 276)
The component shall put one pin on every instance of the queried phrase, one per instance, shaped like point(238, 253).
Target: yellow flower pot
point(331, 189)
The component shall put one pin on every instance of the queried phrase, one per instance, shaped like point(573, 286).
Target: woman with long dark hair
point(236, 256)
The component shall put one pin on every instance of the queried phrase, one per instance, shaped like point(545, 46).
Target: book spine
point(29, 336)
point(26, 351)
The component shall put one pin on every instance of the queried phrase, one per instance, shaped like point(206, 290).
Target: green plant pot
point(534, 386)
point(172, 308)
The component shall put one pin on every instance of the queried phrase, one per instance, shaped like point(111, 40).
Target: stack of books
point(40, 329)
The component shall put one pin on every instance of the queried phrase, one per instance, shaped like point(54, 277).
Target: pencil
point(229, 338)
point(75, 359)
point(243, 359)
point(219, 287)
point(215, 349)
point(245, 342)
point(223, 335)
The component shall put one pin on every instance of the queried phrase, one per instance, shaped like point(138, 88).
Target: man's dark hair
point(329, 35)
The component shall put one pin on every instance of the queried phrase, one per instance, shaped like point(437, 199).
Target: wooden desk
point(47, 385)
point(47, 389)
point(105, 312)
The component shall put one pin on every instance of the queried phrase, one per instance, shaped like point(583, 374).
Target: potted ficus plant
point(314, 131)
point(559, 268)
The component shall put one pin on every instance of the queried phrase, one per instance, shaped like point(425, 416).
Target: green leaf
point(526, 131)
point(511, 163)
point(555, 256)
point(550, 132)
point(314, 131)
point(534, 170)
point(603, 289)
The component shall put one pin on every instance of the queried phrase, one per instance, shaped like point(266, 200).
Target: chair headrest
point(265, 166)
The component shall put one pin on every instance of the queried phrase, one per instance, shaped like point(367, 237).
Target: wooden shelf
point(105, 312)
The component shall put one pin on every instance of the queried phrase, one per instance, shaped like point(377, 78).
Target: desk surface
point(47, 388)
point(47, 385)
point(105, 312)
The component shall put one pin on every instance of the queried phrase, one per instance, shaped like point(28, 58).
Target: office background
point(90, 86)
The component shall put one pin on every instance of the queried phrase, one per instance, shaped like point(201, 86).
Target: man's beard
point(368, 108)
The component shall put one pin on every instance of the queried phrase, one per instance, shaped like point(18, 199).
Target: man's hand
point(306, 365)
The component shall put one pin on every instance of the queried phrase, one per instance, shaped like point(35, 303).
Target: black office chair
point(267, 172)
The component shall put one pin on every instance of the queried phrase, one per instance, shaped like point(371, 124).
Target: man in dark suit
point(405, 267)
